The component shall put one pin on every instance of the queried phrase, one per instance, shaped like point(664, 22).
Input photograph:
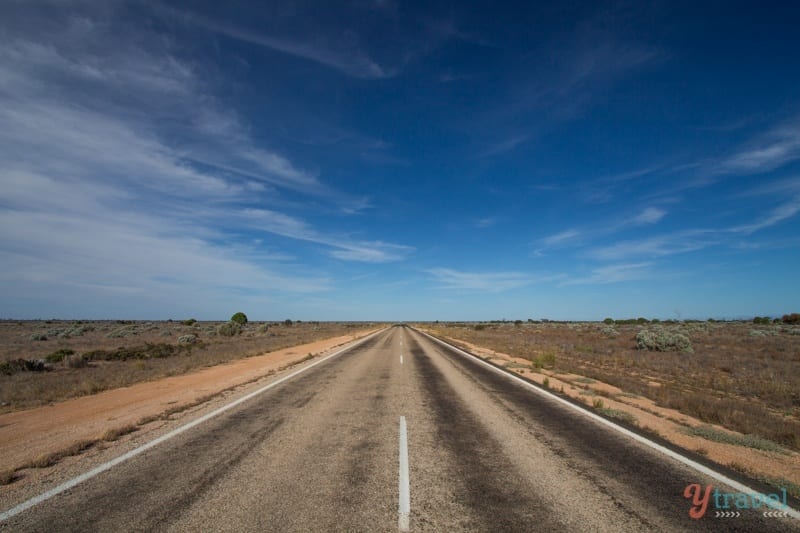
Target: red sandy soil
point(33, 433)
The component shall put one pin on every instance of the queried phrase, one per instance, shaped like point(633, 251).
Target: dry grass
point(115, 433)
point(47, 460)
point(746, 383)
point(7, 477)
point(89, 357)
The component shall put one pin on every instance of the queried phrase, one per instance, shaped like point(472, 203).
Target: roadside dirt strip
point(399, 432)
point(33, 433)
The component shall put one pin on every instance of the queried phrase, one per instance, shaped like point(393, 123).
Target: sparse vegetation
point(187, 339)
point(748, 384)
point(619, 415)
point(229, 329)
point(748, 441)
point(59, 355)
point(189, 322)
point(544, 360)
point(89, 360)
point(7, 477)
point(115, 433)
point(663, 340)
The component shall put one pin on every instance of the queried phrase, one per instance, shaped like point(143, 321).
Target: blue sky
point(380, 160)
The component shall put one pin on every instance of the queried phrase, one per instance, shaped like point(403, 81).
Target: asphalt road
point(321, 452)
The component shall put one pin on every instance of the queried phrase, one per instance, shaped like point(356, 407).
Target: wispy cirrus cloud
point(578, 236)
point(341, 248)
point(779, 214)
point(617, 273)
point(479, 281)
point(765, 153)
point(332, 53)
point(656, 246)
point(650, 215)
point(124, 172)
point(503, 146)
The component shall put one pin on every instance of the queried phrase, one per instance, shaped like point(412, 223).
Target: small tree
point(240, 318)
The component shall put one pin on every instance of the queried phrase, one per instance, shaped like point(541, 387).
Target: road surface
point(398, 432)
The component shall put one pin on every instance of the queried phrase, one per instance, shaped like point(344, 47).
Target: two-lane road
point(322, 452)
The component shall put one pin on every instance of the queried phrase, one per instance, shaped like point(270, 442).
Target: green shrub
point(545, 360)
point(59, 355)
point(229, 329)
point(240, 318)
point(263, 328)
point(38, 337)
point(608, 321)
point(609, 331)
point(662, 340)
point(189, 322)
point(289, 323)
point(748, 441)
point(761, 320)
point(147, 351)
point(619, 415)
point(479, 327)
point(187, 339)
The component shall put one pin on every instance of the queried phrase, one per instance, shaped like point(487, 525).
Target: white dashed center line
point(404, 508)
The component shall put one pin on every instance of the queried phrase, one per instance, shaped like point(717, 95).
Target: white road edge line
point(174, 433)
point(635, 436)
point(404, 507)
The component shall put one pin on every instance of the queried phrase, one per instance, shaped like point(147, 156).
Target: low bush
point(187, 339)
point(663, 340)
point(75, 361)
point(59, 355)
point(22, 365)
point(609, 331)
point(146, 351)
point(748, 441)
point(229, 329)
point(544, 360)
point(189, 322)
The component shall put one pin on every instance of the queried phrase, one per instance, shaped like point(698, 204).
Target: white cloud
point(480, 281)
point(650, 215)
point(614, 274)
point(776, 216)
point(561, 237)
point(343, 248)
point(105, 190)
point(766, 153)
point(658, 246)
point(348, 59)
